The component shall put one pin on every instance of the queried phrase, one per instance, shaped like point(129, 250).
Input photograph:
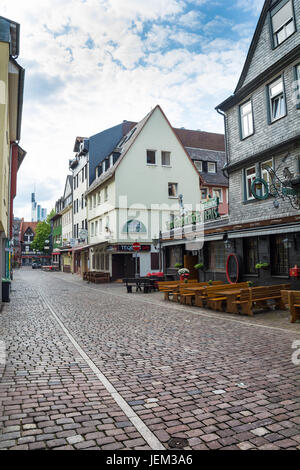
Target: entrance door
point(189, 263)
point(129, 266)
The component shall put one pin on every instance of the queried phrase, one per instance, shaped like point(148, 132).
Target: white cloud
point(72, 89)
point(254, 6)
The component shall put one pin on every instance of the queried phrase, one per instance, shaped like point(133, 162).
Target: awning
point(56, 253)
point(80, 248)
point(267, 231)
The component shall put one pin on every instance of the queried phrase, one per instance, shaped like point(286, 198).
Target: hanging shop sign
point(209, 211)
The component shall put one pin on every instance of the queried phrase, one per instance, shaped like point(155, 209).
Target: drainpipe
point(226, 140)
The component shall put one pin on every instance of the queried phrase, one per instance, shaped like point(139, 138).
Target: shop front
point(80, 260)
point(66, 260)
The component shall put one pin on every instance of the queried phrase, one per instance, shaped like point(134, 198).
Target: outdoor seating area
point(97, 277)
point(148, 284)
point(232, 298)
point(291, 298)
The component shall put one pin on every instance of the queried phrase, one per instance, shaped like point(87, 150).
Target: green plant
point(250, 283)
point(261, 265)
point(178, 265)
point(199, 266)
point(210, 282)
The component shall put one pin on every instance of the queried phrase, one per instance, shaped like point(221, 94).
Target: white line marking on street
point(173, 307)
point(141, 427)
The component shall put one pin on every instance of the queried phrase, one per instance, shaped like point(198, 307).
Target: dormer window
point(211, 167)
point(283, 22)
point(199, 166)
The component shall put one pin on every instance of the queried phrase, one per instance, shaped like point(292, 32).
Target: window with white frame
point(246, 115)
point(204, 193)
point(100, 226)
point(151, 157)
point(92, 229)
point(166, 158)
point(94, 200)
point(211, 167)
point(91, 202)
point(198, 165)
point(106, 193)
point(173, 189)
point(250, 175)
point(277, 104)
point(217, 192)
point(265, 174)
point(96, 228)
point(283, 22)
point(99, 198)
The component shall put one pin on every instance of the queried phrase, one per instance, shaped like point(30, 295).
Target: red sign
point(136, 246)
point(295, 271)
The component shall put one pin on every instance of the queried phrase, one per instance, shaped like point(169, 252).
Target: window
point(217, 192)
point(92, 229)
point(166, 158)
point(277, 107)
point(246, 116)
point(283, 23)
point(265, 174)
point(100, 226)
point(85, 172)
point(280, 256)
point(96, 228)
point(217, 256)
point(174, 255)
point(151, 157)
point(250, 247)
point(250, 177)
point(91, 203)
point(198, 165)
point(106, 193)
point(99, 198)
point(204, 193)
point(134, 226)
point(94, 200)
point(82, 202)
point(111, 160)
point(172, 189)
point(211, 167)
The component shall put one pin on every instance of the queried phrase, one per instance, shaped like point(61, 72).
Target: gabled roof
point(68, 180)
point(125, 144)
point(25, 226)
point(257, 33)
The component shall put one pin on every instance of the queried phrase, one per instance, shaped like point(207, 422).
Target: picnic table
point(231, 297)
point(146, 283)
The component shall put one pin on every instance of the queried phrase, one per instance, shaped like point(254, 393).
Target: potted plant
point(250, 283)
point(199, 266)
point(184, 274)
point(262, 266)
point(178, 265)
point(210, 283)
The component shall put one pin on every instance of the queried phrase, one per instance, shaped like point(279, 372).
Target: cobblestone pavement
point(219, 381)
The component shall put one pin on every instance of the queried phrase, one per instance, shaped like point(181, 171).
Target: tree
point(42, 233)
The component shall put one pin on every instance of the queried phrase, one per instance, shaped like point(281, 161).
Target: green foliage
point(178, 265)
point(42, 233)
point(261, 265)
point(199, 266)
point(52, 214)
point(250, 283)
point(210, 283)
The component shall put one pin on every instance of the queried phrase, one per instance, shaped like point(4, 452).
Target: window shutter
point(268, 105)
point(240, 123)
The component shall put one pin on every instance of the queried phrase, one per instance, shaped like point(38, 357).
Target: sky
point(90, 64)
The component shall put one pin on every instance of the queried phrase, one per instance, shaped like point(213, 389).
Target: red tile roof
point(24, 226)
point(201, 140)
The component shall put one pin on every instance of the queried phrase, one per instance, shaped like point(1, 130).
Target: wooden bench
point(259, 296)
point(187, 297)
point(292, 299)
point(214, 300)
point(165, 285)
point(97, 277)
point(146, 283)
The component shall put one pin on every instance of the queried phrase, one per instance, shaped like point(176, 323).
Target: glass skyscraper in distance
point(38, 213)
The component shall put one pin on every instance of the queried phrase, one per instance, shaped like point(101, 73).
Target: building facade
point(11, 155)
point(262, 122)
point(135, 193)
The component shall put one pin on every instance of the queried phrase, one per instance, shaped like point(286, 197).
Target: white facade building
point(135, 194)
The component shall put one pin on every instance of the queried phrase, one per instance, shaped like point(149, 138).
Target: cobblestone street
point(154, 371)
